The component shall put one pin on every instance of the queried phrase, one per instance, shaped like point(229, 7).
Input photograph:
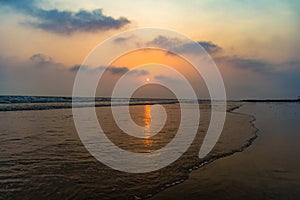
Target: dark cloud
point(122, 70)
point(41, 75)
point(210, 47)
point(66, 22)
point(243, 77)
point(122, 39)
point(166, 42)
point(247, 63)
point(137, 72)
point(37, 75)
point(117, 70)
point(252, 78)
point(40, 58)
point(76, 68)
point(114, 70)
point(259, 66)
point(178, 45)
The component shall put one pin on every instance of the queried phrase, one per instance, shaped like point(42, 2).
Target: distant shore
point(270, 100)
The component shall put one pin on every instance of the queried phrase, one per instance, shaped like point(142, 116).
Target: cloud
point(117, 70)
point(41, 75)
point(123, 39)
point(76, 68)
point(41, 58)
point(210, 47)
point(181, 46)
point(246, 63)
point(141, 72)
point(166, 42)
point(113, 70)
point(66, 22)
point(38, 75)
point(253, 78)
point(256, 65)
point(243, 77)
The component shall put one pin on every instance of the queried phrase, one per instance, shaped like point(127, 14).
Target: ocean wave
point(19, 103)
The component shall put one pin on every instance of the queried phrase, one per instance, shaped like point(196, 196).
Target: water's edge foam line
point(214, 158)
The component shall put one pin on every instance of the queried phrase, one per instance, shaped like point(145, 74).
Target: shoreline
point(213, 158)
point(33, 108)
point(55, 134)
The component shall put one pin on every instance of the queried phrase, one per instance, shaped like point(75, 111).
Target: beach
point(43, 157)
point(268, 169)
point(256, 155)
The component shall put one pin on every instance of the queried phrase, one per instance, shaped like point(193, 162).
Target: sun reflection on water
point(147, 123)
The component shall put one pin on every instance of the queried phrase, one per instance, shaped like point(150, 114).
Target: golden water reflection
point(147, 122)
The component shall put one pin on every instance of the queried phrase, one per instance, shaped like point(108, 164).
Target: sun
point(148, 79)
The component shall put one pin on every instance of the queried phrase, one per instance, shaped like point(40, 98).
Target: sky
point(255, 44)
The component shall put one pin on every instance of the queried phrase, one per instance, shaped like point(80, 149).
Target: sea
point(42, 155)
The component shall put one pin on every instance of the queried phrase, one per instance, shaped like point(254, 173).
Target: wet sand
point(268, 169)
point(42, 156)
